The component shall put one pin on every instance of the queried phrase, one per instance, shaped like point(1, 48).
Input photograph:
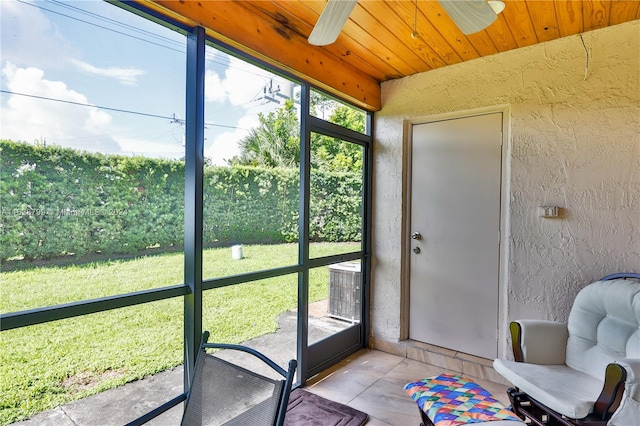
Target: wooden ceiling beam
point(375, 44)
point(359, 56)
point(517, 16)
point(432, 14)
point(570, 17)
point(545, 21)
point(623, 11)
point(596, 14)
point(274, 40)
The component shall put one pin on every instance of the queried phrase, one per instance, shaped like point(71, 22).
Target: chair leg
point(532, 412)
point(535, 413)
point(426, 421)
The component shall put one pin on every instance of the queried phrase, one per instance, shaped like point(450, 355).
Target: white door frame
point(505, 180)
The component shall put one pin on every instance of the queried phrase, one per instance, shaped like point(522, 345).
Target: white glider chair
point(586, 372)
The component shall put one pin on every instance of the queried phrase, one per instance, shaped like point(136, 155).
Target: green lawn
point(50, 364)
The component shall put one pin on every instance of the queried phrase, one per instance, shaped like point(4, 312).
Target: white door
point(455, 226)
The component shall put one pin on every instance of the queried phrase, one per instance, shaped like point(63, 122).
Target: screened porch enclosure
point(224, 203)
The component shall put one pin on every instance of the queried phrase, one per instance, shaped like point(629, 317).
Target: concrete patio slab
point(123, 404)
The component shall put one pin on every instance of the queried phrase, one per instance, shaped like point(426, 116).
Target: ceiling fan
point(470, 16)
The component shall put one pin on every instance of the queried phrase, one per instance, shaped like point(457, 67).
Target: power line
point(116, 22)
point(100, 26)
point(130, 27)
point(235, 107)
point(171, 119)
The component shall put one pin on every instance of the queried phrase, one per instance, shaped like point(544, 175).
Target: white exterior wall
point(573, 143)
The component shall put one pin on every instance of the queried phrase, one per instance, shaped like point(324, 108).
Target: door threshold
point(466, 364)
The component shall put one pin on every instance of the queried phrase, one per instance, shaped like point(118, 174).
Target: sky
point(91, 76)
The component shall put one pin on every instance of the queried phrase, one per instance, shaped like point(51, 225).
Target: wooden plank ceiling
point(376, 45)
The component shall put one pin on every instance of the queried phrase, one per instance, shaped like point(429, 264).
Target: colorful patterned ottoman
point(451, 400)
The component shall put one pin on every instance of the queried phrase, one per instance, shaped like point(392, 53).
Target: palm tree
point(275, 142)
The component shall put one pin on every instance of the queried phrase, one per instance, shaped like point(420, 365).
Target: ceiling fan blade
point(331, 21)
point(470, 16)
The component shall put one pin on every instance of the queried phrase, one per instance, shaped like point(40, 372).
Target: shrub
point(58, 201)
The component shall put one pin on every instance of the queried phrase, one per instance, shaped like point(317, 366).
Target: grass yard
point(50, 364)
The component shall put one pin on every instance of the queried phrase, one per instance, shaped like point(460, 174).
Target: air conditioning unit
point(345, 291)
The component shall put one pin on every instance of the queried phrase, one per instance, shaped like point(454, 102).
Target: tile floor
point(372, 381)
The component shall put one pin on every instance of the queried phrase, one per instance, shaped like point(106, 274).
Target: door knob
point(416, 236)
point(416, 250)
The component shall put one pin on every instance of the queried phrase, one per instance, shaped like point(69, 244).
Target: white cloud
point(214, 90)
point(24, 26)
point(242, 82)
point(97, 122)
point(148, 148)
point(225, 146)
point(29, 119)
point(241, 85)
point(126, 76)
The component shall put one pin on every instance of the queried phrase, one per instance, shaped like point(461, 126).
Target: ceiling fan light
point(497, 6)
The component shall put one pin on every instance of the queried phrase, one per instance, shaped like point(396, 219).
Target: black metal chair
point(223, 393)
point(226, 393)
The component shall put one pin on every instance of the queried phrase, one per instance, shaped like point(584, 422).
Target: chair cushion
point(452, 400)
point(604, 326)
point(559, 387)
point(628, 413)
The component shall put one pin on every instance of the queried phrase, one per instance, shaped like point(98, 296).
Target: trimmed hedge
point(58, 201)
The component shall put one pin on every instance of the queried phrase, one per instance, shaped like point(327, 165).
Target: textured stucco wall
point(573, 142)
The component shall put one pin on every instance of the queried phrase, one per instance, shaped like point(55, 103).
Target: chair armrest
point(539, 341)
point(628, 410)
point(611, 395)
point(632, 383)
